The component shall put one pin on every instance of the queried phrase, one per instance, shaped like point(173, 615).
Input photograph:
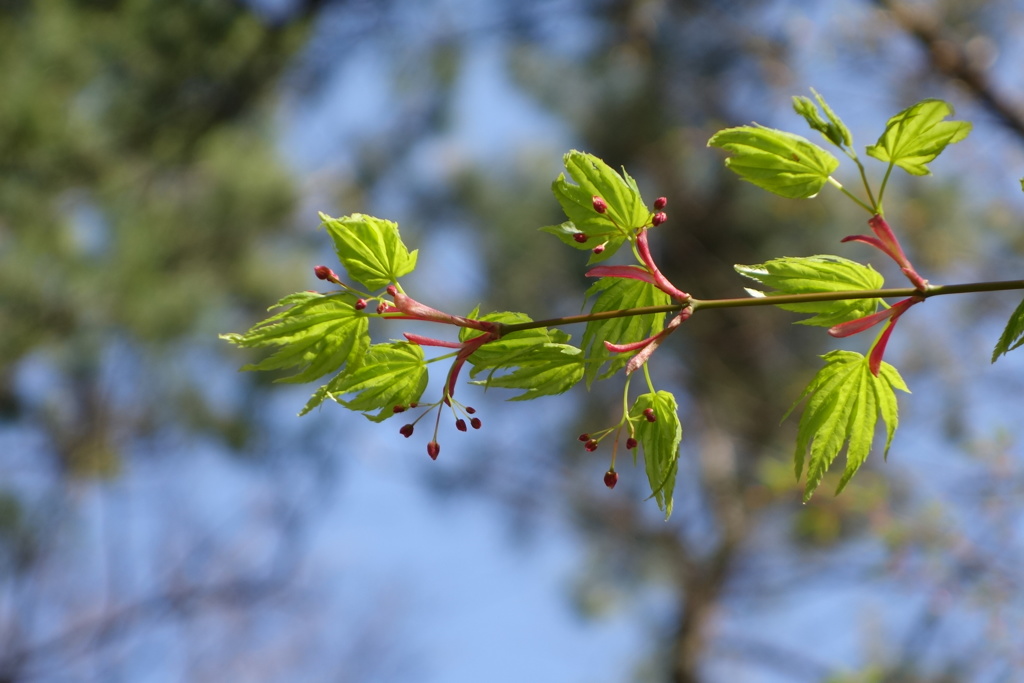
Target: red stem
point(660, 280)
point(628, 272)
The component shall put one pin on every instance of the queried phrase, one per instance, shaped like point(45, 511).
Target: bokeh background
point(166, 518)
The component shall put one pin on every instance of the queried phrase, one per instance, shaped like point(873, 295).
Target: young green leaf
point(844, 401)
point(370, 249)
point(511, 342)
point(660, 440)
point(1013, 335)
point(390, 375)
point(625, 210)
point(569, 234)
point(823, 273)
point(915, 136)
point(616, 294)
point(780, 162)
point(540, 370)
point(834, 130)
point(317, 333)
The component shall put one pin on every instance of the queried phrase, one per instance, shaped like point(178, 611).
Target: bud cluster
point(461, 422)
point(592, 442)
point(659, 216)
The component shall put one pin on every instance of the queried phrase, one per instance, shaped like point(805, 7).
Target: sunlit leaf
point(615, 294)
point(843, 403)
point(823, 273)
point(539, 360)
point(567, 233)
point(660, 441)
point(834, 130)
point(593, 177)
point(493, 354)
point(317, 333)
point(370, 249)
point(390, 375)
point(915, 136)
point(780, 162)
point(539, 369)
point(1013, 335)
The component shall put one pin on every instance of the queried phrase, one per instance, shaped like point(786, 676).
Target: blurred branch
point(91, 633)
point(88, 635)
point(95, 631)
point(951, 60)
point(794, 664)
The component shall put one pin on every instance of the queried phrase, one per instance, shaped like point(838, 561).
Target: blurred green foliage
point(139, 185)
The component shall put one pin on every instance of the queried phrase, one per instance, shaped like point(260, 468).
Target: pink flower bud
point(649, 414)
point(406, 430)
point(413, 404)
point(591, 445)
point(381, 307)
point(598, 249)
point(630, 443)
point(460, 424)
point(584, 437)
point(325, 273)
point(600, 205)
point(660, 203)
point(360, 304)
point(580, 237)
point(471, 410)
point(398, 409)
point(611, 478)
point(659, 218)
point(433, 448)
point(475, 423)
